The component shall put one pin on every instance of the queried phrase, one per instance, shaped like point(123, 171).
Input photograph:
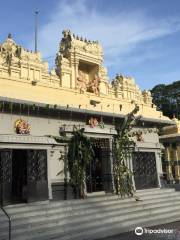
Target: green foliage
point(80, 153)
point(123, 150)
point(167, 98)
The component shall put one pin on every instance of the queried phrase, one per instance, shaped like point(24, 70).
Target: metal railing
point(9, 219)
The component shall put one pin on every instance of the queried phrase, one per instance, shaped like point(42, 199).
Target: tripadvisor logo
point(139, 231)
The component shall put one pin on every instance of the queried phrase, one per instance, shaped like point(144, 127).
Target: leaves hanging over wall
point(80, 153)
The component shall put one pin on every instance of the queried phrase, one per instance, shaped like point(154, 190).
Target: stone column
point(158, 166)
point(177, 164)
point(49, 160)
point(168, 166)
point(76, 65)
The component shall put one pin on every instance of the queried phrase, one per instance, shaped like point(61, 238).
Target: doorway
point(98, 176)
point(19, 176)
point(23, 175)
point(144, 168)
point(94, 172)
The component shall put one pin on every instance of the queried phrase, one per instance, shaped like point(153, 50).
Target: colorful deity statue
point(93, 122)
point(22, 127)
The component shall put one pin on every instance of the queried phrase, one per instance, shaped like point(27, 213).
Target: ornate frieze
point(26, 139)
point(126, 88)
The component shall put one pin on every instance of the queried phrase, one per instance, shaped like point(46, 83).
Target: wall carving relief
point(94, 85)
point(90, 86)
point(82, 81)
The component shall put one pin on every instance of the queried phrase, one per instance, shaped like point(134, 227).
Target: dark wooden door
point(94, 177)
point(144, 168)
point(37, 184)
point(5, 176)
point(106, 168)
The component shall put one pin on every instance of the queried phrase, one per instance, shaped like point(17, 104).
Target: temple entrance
point(144, 168)
point(98, 171)
point(19, 175)
point(23, 175)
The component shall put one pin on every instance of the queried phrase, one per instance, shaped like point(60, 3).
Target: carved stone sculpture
point(147, 97)
point(81, 82)
point(94, 85)
point(65, 44)
point(9, 50)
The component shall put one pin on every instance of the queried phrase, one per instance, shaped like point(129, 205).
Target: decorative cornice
point(26, 139)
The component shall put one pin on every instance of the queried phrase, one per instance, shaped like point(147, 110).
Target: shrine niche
point(90, 86)
point(88, 78)
point(79, 64)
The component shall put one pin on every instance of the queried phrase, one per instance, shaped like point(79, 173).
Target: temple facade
point(39, 109)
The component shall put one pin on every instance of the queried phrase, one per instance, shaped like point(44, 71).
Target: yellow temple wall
point(52, 94)
point(24, 76)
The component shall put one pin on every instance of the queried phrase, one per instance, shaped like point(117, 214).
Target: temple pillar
point(169, 172)
point(177, 164)
point(74, 76)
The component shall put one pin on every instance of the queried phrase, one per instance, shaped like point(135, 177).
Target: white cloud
point(119, 33)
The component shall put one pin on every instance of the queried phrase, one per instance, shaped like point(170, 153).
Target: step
point(88, 200)
point(48, 209)
point(74, 211)
point(130, 207)
point(126, 224)
point(106, 213)
point(97, 220)
point(83, 202)
point(113, 229)
point(91, 214)
point(96, 194)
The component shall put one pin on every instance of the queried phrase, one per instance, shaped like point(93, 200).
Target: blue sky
point(141, 38)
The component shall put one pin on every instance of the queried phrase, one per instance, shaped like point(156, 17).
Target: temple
point(170, 138)
point(39, 110)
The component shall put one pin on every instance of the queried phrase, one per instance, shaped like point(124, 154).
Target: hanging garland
point(80, 153)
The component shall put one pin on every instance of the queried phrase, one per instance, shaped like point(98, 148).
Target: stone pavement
point(175, 235)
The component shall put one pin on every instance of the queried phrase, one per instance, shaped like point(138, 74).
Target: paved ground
point(151, 236)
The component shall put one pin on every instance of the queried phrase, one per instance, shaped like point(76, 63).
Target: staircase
point(92, 218)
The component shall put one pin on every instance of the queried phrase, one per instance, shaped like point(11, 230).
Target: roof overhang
point(27, 139)
point(158, 122)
